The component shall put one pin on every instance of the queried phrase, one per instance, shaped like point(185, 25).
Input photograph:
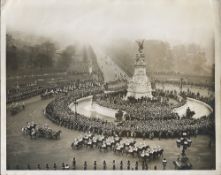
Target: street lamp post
point(181, 84)
point(75, 106)
point(164, 163)
point(183, 162)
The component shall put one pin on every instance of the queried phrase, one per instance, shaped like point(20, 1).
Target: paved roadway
point(22, 150)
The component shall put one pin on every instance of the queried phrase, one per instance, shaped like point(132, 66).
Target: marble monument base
point(138, 95)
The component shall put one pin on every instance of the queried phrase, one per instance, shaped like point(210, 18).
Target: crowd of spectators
point(21, 93)
point(208, 100)
point(59, 112)
point(159, 107)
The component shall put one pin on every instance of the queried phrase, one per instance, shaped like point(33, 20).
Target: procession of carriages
point(119, 146)
point(15, 108)
point(36, 131)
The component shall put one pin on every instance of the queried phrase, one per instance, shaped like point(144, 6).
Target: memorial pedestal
point(139, 86)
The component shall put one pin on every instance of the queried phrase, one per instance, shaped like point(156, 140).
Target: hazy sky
point(105, 20)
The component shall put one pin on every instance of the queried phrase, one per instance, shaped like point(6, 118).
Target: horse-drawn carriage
point(47, 95)
point(16, 108)
point(35, 131)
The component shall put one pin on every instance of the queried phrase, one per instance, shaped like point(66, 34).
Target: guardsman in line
point(121, 165)
point(28, 166)
point(136, 165)
point(104, 165)
point(85, 165)
point(95, 165)
point(114, 166)
point(74, 163)
point(128, 165)
point(39, 167)
point(55, 166)
point(63, 166)
point(47, 166)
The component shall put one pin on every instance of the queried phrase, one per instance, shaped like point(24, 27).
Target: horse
point(161, 152)
point(56, 135)
point(119, 148)
point(33, 133)
point(103, 147)
point(75, 145)
point(25, 131)
point(95, 141)
point(47, 133)
point(41, 132)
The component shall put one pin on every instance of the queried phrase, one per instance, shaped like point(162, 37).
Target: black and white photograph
point(110, 86)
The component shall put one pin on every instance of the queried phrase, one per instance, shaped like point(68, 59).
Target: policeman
point(164, 162)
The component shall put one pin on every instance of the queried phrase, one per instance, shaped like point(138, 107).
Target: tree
point(66, 57)
point(47, 53)
point(11, 54)
point(11, 58)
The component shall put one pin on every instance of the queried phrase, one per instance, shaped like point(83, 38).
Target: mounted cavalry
point(35, 131)
point(16, 108)
point(47, 95)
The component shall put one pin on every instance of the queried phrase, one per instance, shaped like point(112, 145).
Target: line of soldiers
point(127, 166)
